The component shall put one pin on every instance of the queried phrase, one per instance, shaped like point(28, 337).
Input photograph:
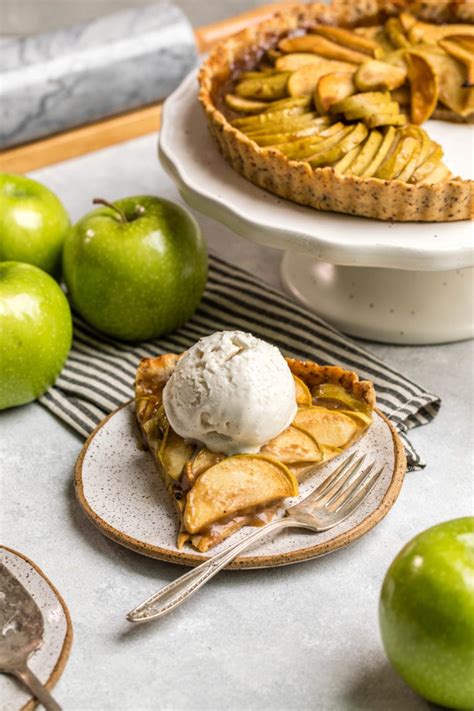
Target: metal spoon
point(21, 633)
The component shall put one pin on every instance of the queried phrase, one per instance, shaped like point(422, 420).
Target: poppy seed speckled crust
point(323, 188)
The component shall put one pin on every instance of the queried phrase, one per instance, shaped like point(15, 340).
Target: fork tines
point(347, 486)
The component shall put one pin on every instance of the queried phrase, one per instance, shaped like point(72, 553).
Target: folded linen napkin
point(99, 373)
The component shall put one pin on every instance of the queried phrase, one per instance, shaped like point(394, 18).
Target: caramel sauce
point(255, 516)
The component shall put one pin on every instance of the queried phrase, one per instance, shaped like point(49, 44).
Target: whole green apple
point(427, 613)
point(33, 223)
point(136, 268)
point(35, 332)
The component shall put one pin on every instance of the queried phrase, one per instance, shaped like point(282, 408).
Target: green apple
point(136, 268)
point(427, 613)
point(33, 223)
point(35, 332)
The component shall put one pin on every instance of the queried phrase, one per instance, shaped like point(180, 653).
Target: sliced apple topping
point(162, 420)
point(381, 154)
point(305, 147)
point(266, 87)
point(292, 446)
point(407, 21)
point(376, 75)
point(153, 434)
point(174, 453)
point(292, 62)
point(330, 428)
point(427, 33)
point(246, 106)
point(234, 485)
point(203, 460)
point(439, 174)
point(343, 164)
point(303, 81)
point(376, 56)
point(292, 117)
point(401, 151)
point(373, 147)
point(338, 395)
point(424, 87)
point(303, 395)
point(339, 147)
point(374, 108)
point(368, 151)
point(396, 33)
point(146, 406)
point(289, 103)
point(429, 164)
point(344, 98)
point(461, 47)
point(347, 38)
point(295, 134)
point(322, 46)
point(452, 80)
point(359, 417)
point(332, 88)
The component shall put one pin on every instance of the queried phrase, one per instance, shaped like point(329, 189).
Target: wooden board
point(109, 131)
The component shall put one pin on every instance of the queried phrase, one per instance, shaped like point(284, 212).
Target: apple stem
point(120, 213)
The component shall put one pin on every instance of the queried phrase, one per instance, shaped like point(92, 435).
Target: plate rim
point(261, 561)
point(68, 638)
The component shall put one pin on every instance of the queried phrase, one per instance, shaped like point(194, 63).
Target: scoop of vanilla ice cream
point(231, 392)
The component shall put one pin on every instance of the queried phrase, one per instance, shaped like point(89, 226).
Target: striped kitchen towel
point(99, 373)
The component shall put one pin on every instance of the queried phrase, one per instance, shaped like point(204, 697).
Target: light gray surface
point(20, 17)
point(301, 637)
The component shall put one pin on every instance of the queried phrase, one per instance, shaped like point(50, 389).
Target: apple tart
point(215, 494)
point(324, 105)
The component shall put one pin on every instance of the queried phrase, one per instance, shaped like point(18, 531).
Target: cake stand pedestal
point(390, 305)
point(392, 282)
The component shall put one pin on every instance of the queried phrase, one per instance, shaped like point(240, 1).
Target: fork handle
point(173, 595)
point(39, 691)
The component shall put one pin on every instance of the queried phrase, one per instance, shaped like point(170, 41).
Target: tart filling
point(215, 494)
point(324, 104)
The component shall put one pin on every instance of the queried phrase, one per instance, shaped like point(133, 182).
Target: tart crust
point(323, 188)
point(152, 376)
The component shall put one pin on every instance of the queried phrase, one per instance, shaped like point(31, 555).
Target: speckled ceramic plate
point(50, 659)
point(121, 492)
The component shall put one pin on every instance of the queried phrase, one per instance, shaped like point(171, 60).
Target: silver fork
point(336, 498)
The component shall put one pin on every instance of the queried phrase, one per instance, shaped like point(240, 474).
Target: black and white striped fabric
point(99, 373)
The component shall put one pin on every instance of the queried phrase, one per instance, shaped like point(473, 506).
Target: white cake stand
point(392, 282)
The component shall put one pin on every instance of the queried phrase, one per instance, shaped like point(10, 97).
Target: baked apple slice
point(330, 428)
point(376, 75)
point(304, 80)
point(333, 395)
point(174, 453)
point(324, 47)
point(239, 483)
point(294, 446)
point(303, 394)
point(332, 88)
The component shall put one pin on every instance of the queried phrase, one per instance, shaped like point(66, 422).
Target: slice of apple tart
point(229, 473)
